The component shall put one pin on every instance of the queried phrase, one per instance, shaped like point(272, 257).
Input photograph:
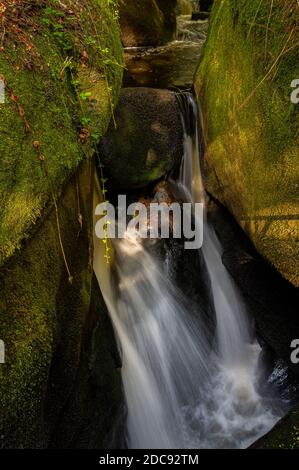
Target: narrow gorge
point(136, 342)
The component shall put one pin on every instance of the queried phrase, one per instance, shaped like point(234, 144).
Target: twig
point(253, 21)
point(267, 29)
point(80, 216)
point(70, 277)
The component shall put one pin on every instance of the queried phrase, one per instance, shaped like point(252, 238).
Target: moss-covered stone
point(184, 7)
point(147, 22)
point(92, 416)
point(42, 317)
point(284, 435)
point(251, 125)
point(147, 141)
point(62, 68)
point(59, 385)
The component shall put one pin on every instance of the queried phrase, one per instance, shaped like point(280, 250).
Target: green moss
point(42, 320)
point(93, 410)
point(251, 126)
point(63, 70)
point(44, 104)
point(285, 435)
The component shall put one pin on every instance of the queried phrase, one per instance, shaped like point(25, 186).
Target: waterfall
point(234, 341)
point(165, 355)
point(181, 391)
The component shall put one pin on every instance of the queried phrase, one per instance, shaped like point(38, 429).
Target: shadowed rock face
point(93, 414)
point(147, 141)
point(271, 300)
point(147, 22)
point(184, 7)
point(205, 5)
point(59, 385)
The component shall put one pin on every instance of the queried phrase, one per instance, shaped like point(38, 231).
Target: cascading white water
point(237, 349)
point(234, 333)
point(180, 392)
point(165, 356)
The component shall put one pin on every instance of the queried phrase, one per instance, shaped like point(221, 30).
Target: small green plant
point(103, 182)
point(55, 20)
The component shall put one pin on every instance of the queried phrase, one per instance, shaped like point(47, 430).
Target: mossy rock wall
point(42, 317)
point(250, 125)
point(47, 325)
point(147, 22)
point(61, 63)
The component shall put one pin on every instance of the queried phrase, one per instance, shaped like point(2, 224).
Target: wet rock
point(200, 15)
point(172, 65)
point(284, 435)
point(147, 141)
point(147, 22)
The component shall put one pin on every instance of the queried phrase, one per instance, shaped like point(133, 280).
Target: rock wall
point(184, 7)
point(62, 68)
point(250, 124)
point(60, 373)
point(61, 63)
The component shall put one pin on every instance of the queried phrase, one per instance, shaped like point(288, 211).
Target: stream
point(181, 389)
point(198, 379)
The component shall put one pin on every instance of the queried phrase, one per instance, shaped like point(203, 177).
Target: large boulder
point(250, 124)
point(147, 141)
point(47, 324)
point(147, 22)
point(184, 7)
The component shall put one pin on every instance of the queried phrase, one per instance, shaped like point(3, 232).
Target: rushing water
point(182, 391)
